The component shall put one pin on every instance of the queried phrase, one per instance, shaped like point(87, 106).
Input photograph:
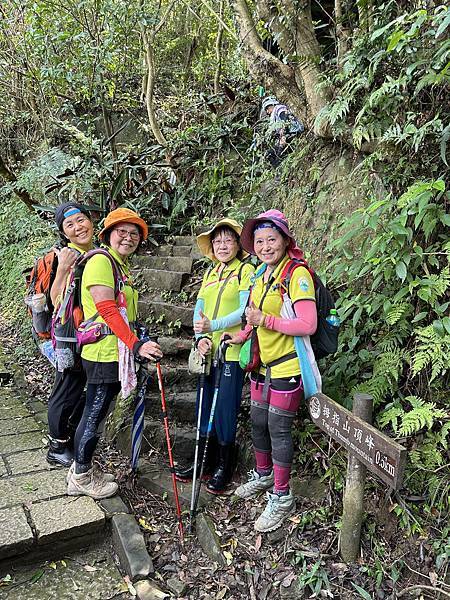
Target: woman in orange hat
point(220, 304)
point(109, 299)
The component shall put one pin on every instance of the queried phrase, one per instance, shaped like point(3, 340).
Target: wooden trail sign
point(378, 452)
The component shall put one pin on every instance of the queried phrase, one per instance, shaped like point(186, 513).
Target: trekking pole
point(218, 361)
point(169, 449)
point(138, 416)
point(197, 441)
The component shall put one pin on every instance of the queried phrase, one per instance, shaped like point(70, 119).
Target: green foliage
point(422, 415)
point(394, 81)
point(391, 264)
point(24, 237)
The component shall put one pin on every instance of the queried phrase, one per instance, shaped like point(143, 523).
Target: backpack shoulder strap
point(118, 278)
point(247, 261)
point(289, 268)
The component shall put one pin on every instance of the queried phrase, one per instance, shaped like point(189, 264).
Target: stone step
point(176, 378)
point(158, 480)
point(164, 280)
point(182, 264)
point(36, 516)
point(180, 406)
point(172, 312)
point(173, 346)
point(191, 251)
point(182, 439)
point(164, 251)
point(183, 240)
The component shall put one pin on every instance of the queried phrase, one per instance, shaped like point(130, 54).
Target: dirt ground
point(301, 560)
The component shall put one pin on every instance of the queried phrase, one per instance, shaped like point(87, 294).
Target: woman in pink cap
point(276, 388)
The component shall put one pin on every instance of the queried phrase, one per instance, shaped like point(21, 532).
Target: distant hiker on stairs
point(220, 303)
point(283, 128)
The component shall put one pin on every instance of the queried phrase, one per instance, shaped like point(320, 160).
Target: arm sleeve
point(109, 311)
point(233, 318)
point(245, 333)
point(305, 322)
point(199, 306)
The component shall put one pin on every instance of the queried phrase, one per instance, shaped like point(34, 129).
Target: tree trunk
point(342, 33)
point(8, 175)
point(219, 37)
point(265, 67)
point(150, 64)
point(296, 86)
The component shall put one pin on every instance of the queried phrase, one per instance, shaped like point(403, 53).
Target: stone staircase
point(167, 272)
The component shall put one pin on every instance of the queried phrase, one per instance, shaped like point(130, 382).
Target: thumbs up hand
point(203, 325)
point(254, 316)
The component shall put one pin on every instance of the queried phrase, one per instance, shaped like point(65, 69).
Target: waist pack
point(249, 359)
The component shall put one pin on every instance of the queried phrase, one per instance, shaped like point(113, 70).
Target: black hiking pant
point(102, 388)
point(66, 403)
point(99, 397)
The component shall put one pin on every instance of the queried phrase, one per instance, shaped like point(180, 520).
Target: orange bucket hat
point(124, 215)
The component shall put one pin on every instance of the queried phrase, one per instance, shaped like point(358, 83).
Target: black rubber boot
point(59, 453)
point(224, 472)
point(187, 473)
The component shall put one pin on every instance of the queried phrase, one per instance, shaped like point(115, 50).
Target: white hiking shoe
point(86, 484)
point(255, 485)
point(278, 508)
point(98, 473)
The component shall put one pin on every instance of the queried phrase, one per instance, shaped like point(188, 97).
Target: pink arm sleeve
point(304, 324)
point(244, 334)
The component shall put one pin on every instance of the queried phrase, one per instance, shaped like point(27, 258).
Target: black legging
point(98, 400)
point(66, 403)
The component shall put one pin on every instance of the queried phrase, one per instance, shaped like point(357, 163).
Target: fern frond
point(391, 415)
point(386, 372)
point(396, 312)
point(433, 350)
point(423, 414)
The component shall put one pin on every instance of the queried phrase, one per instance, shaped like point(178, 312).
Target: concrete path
point(89, 574)
point(36, 517)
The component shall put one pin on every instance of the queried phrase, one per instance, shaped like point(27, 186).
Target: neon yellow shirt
point(273, 344)
point(99, 271)
point(229, 301)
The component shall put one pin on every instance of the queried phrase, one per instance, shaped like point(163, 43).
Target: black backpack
point(325, 340)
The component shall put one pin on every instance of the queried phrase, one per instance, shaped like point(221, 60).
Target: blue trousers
point(228, 402)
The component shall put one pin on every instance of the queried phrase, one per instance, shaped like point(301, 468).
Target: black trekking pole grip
point(203, 372)
point(220, 358)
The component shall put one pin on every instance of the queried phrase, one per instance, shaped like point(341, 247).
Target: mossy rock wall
point(320, 188)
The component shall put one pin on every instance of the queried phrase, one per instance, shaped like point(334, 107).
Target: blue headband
point(71, 211)
point(268, 225)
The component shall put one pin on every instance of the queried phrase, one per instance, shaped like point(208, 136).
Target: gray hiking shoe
point(278, 508)
point(98, 473)
point(86, 484)
point(255, 485)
